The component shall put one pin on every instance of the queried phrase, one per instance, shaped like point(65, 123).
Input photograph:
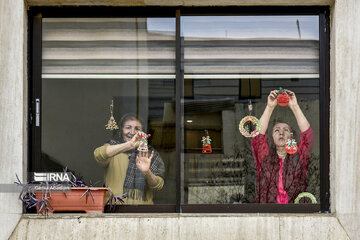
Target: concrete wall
point(345, 151)
point(186, 226)
point(13, 93)
point(179, 2)
point(345, 115)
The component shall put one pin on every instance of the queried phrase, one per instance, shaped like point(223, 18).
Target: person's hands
point(272, 101)
point(143, 161)
point(293, 101)
point(134, 142)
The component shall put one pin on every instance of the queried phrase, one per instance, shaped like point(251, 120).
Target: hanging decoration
point(244, 128)
point(143, 144)
point(283, 98)
point(206, 142)
point(305, 194)
point(291, 146)
point(112, 125)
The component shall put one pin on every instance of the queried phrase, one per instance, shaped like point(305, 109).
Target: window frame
point(35, 15)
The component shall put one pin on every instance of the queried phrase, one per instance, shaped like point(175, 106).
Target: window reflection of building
point(87, 63)
point(237, 58)
point(132, 60)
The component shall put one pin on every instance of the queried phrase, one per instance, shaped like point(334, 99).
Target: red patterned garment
point(270, 169)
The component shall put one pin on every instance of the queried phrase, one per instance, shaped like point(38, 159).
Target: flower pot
point(76, 200)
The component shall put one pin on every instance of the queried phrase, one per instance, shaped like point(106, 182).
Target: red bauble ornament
point(283, 99)
point(291, 146)
point(291, 150)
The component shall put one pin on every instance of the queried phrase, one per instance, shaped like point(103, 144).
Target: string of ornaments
point(112, 125)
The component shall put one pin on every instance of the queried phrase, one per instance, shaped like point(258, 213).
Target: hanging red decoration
point(206, 141)
point(283, 98)
point(291, 146)
point(143, 144)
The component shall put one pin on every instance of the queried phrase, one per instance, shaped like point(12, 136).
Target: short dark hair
point(130, 116)
point(118, 134)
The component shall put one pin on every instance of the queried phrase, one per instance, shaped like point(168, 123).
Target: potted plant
point(73, 196)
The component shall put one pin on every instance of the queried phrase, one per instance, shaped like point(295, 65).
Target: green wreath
point(245, 132)
point(305, 194)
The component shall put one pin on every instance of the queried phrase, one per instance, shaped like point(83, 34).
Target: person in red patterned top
point(281, 177)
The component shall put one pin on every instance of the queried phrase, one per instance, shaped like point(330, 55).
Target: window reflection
point(87, 64)
point(250, 27)
point(228, 61)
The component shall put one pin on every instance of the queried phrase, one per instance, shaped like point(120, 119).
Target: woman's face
point(131, 127)
point(281, 133)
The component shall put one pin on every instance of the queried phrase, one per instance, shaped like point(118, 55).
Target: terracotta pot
point(71, 201)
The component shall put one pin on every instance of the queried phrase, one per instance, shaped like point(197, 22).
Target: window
point(185, 74)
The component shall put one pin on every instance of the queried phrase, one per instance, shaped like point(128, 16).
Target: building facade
point(340, 222)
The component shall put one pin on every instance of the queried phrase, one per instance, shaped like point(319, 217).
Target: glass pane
point(89, 64)
point(228, 61)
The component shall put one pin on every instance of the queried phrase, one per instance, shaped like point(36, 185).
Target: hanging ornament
point(112, 125)
point(307, 195)
point(143, 144)
point(283, 98)
point(206, 142)
point(291, 146)
point(244, 130)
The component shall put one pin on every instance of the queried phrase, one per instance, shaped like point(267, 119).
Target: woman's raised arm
point(265, 117)
point(299, 115)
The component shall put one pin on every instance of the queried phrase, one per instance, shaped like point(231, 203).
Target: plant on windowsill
point(73, 196)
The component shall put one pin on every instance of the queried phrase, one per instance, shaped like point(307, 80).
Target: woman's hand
point(272, 99)
point(143, 162)
point(134, 142)
point(293, 101)
point(113, 150)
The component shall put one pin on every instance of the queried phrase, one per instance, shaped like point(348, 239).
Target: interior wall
point(81, 117)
